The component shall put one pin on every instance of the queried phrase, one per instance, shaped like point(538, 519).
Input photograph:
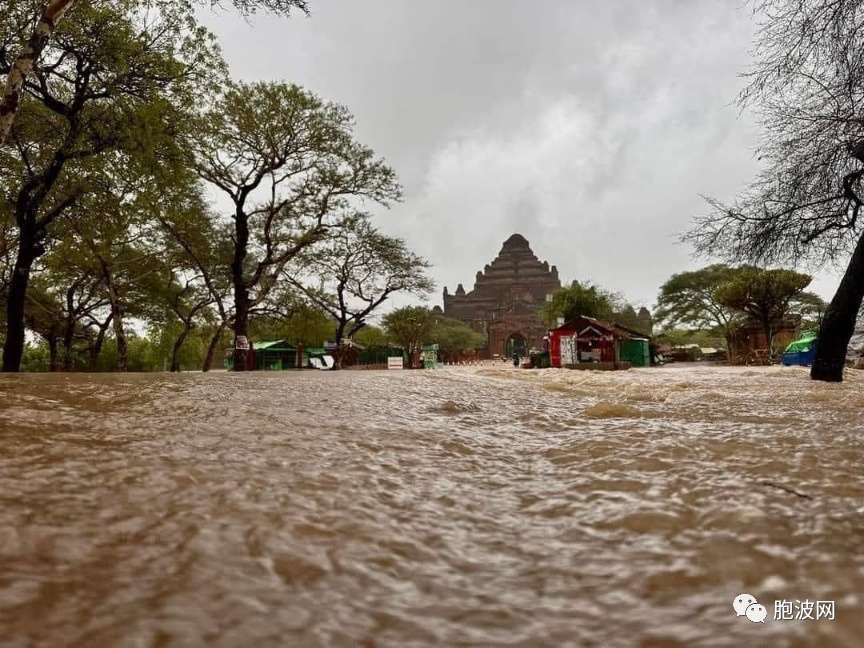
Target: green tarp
point(803, 344)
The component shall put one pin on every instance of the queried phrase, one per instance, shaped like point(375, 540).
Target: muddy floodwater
point(482, 506)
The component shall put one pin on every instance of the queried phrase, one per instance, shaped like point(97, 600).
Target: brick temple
point(506, 298)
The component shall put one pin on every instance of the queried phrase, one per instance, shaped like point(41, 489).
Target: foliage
point(765, 295)
point(453, 336)
point(354, 271)
point(812, 309)
point(410, 327)
point(290, 167)
point(36, 357)
point(689, 298)
point(372, 336)
point(679, 337)
point(579, 298)
point(308, 326)
point(112, 92)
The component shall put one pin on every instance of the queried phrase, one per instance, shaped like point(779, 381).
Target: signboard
point(395, 362)
point(241, 342)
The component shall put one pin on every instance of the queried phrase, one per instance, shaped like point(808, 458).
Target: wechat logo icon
point(746, 605)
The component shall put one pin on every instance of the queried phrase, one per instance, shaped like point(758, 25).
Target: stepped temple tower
point(506, 298)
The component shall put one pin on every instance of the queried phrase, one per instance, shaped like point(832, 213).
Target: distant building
point(749, 337)
point(646, 322)
point(506, 298)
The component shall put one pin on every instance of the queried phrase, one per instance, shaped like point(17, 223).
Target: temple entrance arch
point(516, 343)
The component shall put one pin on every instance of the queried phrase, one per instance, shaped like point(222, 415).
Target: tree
point(202, 245)
point(116, 80)
point(44, 316)
point(409, 327)
point(689, 298)
point(812, 309)
point(290, 167)
point(455, 338)
point(578, 299)
point(51, 13)
point(307, 326)
point(357, 269)
point(804, 205)
point(765, 295)
point(71, 276)
point(372, 336)
point(187, 298)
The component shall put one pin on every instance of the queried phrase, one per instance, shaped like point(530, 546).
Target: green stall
point(276, 355)
point(430, 356)
point(636, 351)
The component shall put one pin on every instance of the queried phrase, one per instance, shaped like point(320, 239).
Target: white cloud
point(591, 128)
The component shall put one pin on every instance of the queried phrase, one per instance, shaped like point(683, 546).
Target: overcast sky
point(591, 127)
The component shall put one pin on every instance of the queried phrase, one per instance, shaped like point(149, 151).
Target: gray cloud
point(590, 127)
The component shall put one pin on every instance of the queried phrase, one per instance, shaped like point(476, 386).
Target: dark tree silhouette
point(806, 86)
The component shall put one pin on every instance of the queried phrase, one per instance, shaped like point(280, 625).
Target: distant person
point(516, 360)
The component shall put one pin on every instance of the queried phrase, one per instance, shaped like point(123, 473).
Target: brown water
point(453, 507)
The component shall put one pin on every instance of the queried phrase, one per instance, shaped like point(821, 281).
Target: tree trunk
point(339, 352)
point(241, 327)
point(178, 344)
point(768, 329)
point(117, 317)
point(52, 353)
point(241, 292)
point(68, 355)
point(119, 334)
point(69, 331)
point(838, 324)
point(23, 65)
point(96, 348)
point(16, 298)
point(211, 348)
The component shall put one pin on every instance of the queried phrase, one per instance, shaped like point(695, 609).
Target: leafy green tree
point(764, 295)
point(579, 298)
point(22, 67)
point(202, 247)
point(44, 316)
point(455, 338)
point(812, 309)
point(409, 327)
point(354, 272)
point(71, 277)
point(689, 299)
point(36, 357)
point(305, 325)
point(116, 81)
point(678, 337)
point(372, 336)
point(292, 170)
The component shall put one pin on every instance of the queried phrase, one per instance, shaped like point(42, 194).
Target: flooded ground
point(463, 506)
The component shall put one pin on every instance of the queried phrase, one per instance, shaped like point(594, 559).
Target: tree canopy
point(764, 295)
point(579, 298)
point(410, 327)
point(690, 298)
point(354, 271)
